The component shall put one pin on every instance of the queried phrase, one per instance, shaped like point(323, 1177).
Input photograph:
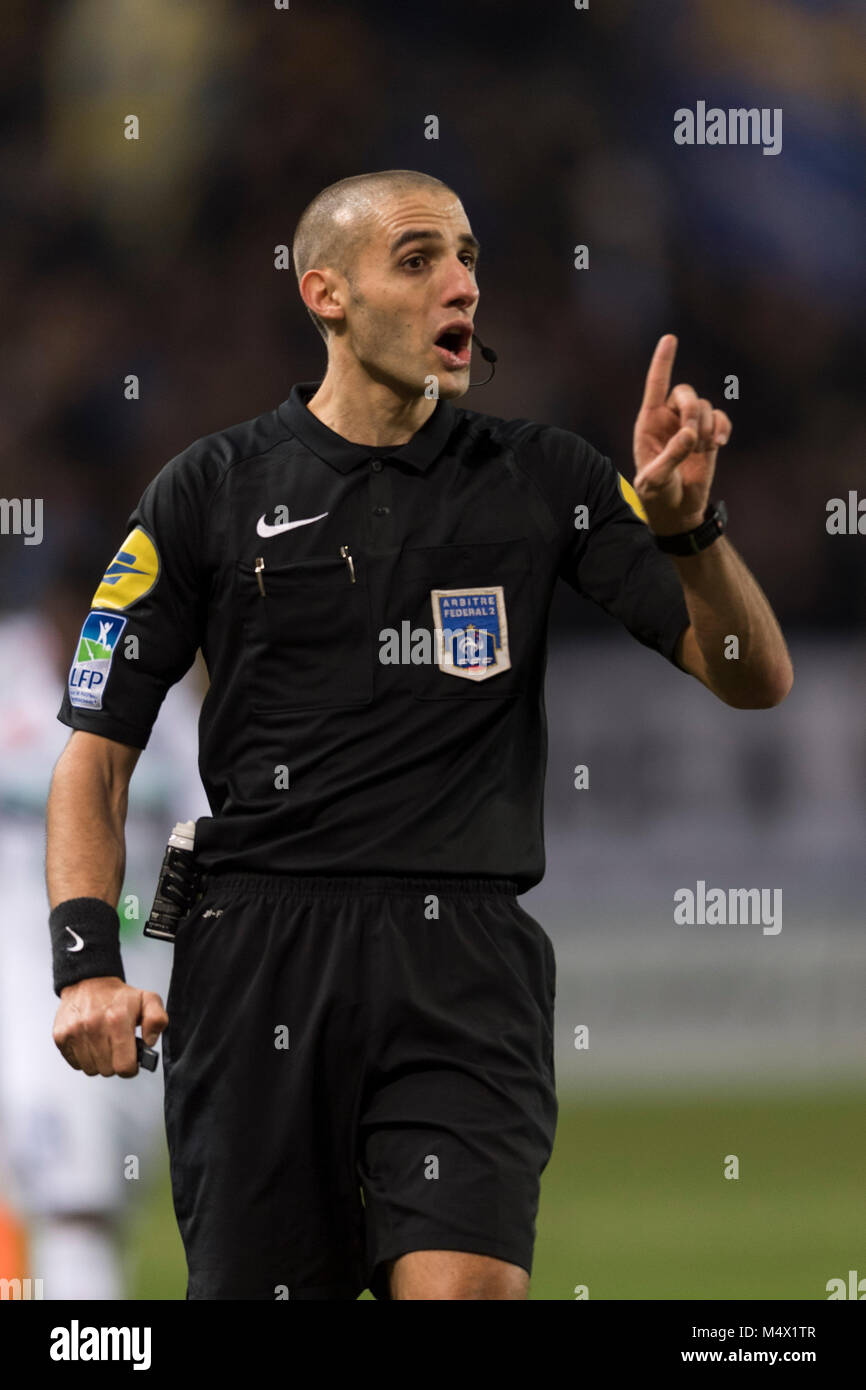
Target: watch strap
point(691, 542)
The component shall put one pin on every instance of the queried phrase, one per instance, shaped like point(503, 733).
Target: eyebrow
point(428, 234)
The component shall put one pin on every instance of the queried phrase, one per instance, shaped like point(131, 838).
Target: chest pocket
point(476, 603)
point(307, 640)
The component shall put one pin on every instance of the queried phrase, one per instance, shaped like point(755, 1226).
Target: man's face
point(412, 281)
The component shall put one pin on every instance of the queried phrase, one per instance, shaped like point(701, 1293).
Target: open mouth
point(454, 345)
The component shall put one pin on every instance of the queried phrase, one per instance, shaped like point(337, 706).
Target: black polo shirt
point(374, 625)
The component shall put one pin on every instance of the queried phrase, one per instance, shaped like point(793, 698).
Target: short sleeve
point(608, 554)
point(146, 618)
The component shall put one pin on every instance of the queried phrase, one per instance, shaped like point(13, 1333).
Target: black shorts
point(355, 1068)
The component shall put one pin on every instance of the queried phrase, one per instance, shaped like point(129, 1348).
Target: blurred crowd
point(154, 258)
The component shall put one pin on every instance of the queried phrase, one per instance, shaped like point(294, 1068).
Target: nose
point(460, 289)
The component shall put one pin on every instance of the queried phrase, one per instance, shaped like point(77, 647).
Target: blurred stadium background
point(155, 258)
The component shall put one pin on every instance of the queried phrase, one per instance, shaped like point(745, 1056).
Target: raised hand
point(677, 436)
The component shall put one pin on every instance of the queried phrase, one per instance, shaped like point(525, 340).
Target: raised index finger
point(658, 378)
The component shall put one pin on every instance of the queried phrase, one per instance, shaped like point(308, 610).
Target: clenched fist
point(96, 1022)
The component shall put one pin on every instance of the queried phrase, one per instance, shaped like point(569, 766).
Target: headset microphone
point(489, 356)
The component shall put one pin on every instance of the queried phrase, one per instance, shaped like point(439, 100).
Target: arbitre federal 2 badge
point(474, 631)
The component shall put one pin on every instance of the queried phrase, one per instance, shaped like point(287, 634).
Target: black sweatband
point(84, 941)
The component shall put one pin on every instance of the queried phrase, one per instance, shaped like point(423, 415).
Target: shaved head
point(334, 226)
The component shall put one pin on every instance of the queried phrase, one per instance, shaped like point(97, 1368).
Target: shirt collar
point(420, 451)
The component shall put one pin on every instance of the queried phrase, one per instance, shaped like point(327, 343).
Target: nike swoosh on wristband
point(263, 529)
point(76, 938)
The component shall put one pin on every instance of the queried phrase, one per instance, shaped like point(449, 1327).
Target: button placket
point(380, 511)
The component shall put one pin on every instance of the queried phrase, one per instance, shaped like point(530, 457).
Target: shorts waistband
point(315, 885)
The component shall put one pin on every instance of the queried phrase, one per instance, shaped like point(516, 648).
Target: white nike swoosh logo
point(76, 938)
point(263, 529)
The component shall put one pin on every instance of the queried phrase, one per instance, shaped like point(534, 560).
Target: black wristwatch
point(691, 542)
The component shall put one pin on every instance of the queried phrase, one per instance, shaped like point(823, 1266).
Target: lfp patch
point(474, 632)
point(89, 673)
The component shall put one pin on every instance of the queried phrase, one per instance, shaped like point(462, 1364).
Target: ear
point(322, 291)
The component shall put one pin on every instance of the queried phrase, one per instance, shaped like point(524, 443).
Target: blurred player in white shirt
point(67, 1141)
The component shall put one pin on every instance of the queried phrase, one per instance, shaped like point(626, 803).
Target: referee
point(358, 1043)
